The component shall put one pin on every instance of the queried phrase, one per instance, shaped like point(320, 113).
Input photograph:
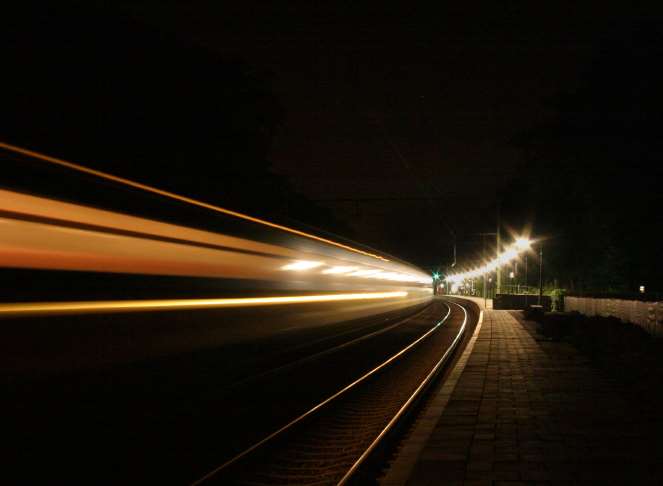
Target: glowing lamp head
point(523, 244)
point(302, 265)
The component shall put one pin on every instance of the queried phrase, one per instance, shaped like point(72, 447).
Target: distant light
point(523, 243)
point(511, 274)
point(302, 265)
point(642, 289)
point(507, 256)
point(519, 246)
point(490, 279)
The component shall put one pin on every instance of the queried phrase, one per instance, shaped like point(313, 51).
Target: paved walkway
point(528, 411)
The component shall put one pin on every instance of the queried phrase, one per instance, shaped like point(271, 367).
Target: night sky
point(412, 102)
point(403, 121)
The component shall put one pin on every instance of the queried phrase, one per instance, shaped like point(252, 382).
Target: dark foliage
point(593, 177)
point(85, 83)
point(623, 350)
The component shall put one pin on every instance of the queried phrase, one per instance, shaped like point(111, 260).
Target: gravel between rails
point(323, 447)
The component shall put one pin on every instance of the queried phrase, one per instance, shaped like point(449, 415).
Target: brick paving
point(530, 411)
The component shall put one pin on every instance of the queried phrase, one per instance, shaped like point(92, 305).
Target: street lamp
point(523, 243)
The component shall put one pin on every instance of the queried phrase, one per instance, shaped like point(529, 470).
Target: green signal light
point(436, 276)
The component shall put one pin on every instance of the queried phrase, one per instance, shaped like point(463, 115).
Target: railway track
point(329, 443)
point(185, 414)
point(231, 326)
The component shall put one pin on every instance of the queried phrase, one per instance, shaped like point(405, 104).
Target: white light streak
point(521, 245)
point(302, 265)
point(338, 270)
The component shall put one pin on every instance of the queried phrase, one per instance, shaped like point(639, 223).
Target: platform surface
point(525, 410)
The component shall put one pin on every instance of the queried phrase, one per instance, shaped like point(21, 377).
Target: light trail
point(47, 234)
point(25, 309)
point(520, 245)
point(302, 265)
point(177, 197)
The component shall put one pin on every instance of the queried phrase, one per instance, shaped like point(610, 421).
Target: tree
point(592, 176)
point(85, 83)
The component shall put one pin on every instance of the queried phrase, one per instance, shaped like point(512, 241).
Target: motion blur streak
point(171, 195)
point(187, 288)
point(302, 265)
point(41, 233)
point(47, 308)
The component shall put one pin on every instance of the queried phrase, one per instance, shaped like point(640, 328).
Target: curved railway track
point(331, 441)
point(231, 326)
point(337, 391)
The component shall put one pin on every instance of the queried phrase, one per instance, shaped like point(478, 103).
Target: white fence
point(647, 315)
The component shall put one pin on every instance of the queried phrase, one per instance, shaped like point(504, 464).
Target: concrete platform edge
point(401, 468)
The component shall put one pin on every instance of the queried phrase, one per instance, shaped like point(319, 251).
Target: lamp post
point(524, 245)
point(517, 276)
point(483, 256)
point(526, 287)
point(540, 273)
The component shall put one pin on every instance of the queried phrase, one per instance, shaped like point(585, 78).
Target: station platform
point(520, 409)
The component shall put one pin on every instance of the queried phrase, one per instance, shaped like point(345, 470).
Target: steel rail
point(322, 404)
point(330, 350)
point(415, 395)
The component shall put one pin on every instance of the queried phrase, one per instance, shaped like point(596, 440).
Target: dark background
point(403, 128)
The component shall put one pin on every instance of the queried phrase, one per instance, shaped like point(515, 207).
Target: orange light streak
point(90, 307)
point(177, 197)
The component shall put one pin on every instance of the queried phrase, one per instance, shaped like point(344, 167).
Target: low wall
point(520, 301)
point(477, 300)
point(648, 315)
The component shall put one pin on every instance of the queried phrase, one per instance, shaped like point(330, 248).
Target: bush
point(624, 350)
point(557, 299)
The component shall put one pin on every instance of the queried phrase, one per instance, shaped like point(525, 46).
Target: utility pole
point(483, 256)
point(540, 273)
point(526, 287)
